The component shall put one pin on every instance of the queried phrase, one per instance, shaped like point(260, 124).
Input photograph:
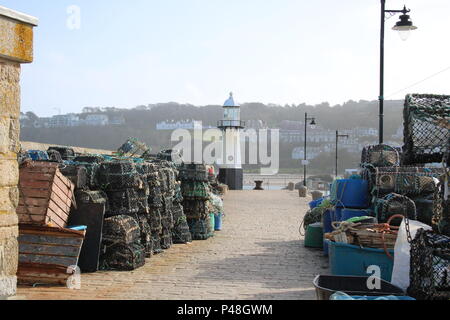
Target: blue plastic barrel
point(352, 213)
point(218, 222)
point(350, 193)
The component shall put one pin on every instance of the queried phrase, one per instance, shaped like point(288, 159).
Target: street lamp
point(313, 125)
point(404, 26)
point(337, 143)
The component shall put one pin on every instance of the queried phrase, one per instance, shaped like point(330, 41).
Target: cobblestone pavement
point(258, 255)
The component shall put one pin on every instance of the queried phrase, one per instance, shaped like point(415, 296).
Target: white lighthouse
point(231, 172)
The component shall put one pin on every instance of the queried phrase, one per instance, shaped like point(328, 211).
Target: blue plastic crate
point(350, 260)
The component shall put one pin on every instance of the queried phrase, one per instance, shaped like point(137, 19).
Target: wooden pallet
point(46, 253)
point(45, 195)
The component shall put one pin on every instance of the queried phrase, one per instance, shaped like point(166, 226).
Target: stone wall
point(16, 46)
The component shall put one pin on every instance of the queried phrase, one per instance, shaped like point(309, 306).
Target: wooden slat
point(58, 216)
point(34, 193)
point(33, 202)
point(47, 249)
point(30, 238)
point(31, 210)
point(35, 184)
point(33, 219)
point(35, 176)
point(62, 261)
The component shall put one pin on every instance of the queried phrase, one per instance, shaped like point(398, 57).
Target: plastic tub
point(326, 285)
point(350, 193)
point(352, 213)
point(212, 221)
point(349, 260)
point(315, 203)
point(314, 236)
point(218, 222)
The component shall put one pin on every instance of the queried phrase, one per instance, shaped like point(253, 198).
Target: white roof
point(19, 16)
point(230, 102)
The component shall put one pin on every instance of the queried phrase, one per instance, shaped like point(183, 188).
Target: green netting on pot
point(195, 190)
point(200, 228)
point(180, 231)
point(380, 156)
point(111, 180)
point(430, 266)
point(393, 204)
point(426, 128)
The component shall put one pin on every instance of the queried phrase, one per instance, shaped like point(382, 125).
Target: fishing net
point(66, 153)
point(77, 174)
point(430, 266)
point(411, 181)
point(166, 239)
point(37, 155)
point(180, 231)
point(380, 156)
point(393, 204)
point(427, 124)
point(154, 221)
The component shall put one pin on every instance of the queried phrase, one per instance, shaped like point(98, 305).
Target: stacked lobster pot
point(180, 232)
point(124, 186)
point(168, 180)
point(195, 191)
point(155, 206)
point(144, 215)
point(121, 244)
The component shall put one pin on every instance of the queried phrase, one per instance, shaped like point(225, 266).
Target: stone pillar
point(16, 47)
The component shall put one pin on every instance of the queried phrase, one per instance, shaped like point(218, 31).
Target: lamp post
point(337, 143)
point(404, 26)
point(313, 124)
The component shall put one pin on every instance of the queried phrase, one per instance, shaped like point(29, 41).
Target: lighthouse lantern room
point(231, 172)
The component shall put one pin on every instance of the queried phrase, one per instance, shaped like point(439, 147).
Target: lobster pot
point(77, 174)
point(89, 159)
point(66, 153)
point(430, 266)
point(180, 231)
point(393, 204)
point(146, 235)
point(143, 196)
point(193, 172)
point(201, 229)
point(426, 134)
point(178, 197)
point(410, 181)
point(195, 209)
point(92, 175)
point(123, 202)
point(166, 239)
point(194, 190)
point(380, 156)
point(121, 244)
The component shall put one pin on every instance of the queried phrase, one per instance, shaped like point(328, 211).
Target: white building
point(96, 120)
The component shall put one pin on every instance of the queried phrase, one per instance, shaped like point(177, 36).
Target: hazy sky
point(129, 53)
